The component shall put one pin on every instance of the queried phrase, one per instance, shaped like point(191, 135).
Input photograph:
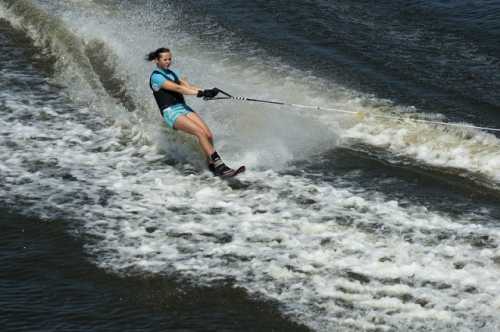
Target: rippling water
point(341, 222)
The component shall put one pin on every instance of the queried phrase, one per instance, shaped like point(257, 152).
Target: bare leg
point(194, 125)
point(186, 124)
point(199, 121)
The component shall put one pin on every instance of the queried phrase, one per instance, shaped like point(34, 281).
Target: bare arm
point(184, 82)
point(185, 89)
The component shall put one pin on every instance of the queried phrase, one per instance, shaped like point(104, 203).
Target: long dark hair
point(156, 54)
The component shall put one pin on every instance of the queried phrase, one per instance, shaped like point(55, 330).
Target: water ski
point(235, 172)
point(229, 173)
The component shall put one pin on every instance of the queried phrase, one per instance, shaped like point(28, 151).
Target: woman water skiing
point(169, 90)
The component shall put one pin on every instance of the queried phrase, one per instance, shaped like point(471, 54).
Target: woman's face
point(164, 60)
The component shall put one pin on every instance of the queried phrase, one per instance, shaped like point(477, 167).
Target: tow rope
point(359, 114)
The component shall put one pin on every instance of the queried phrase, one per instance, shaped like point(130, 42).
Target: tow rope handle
point(227, 96)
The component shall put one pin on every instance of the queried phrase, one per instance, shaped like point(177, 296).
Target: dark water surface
point(438, 55)
point(48, 284)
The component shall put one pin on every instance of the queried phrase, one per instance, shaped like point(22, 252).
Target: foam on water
point(331, 258)
point(272, 136)
point(451, 149)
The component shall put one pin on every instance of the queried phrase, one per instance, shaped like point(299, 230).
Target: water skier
point(169, 90)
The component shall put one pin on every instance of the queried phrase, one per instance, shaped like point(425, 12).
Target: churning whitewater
point(89, 146)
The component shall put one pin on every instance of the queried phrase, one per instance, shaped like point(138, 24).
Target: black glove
point(208, 93)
